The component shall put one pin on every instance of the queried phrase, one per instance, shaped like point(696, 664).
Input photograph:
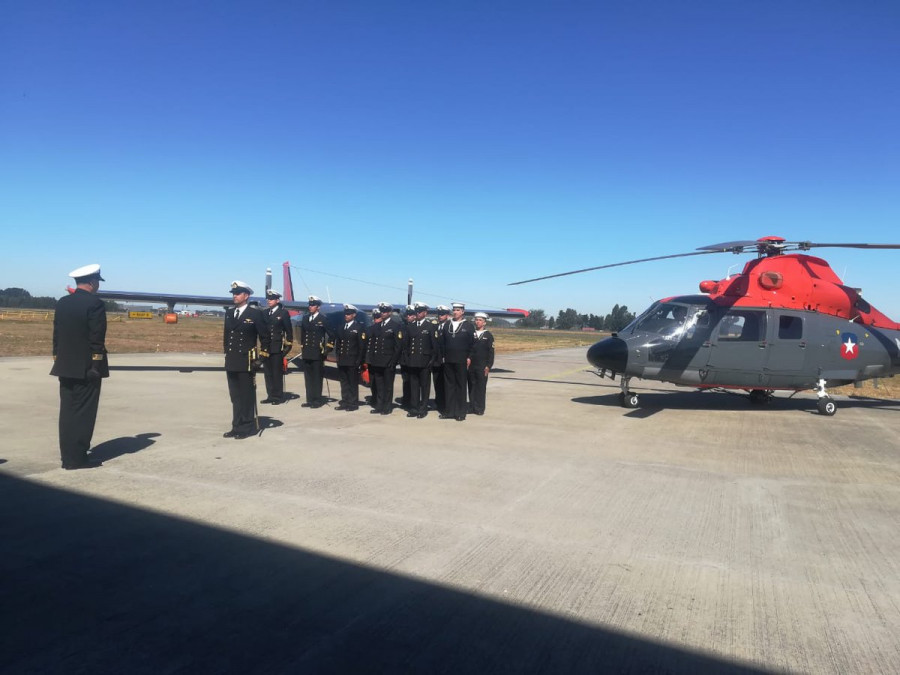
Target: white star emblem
point(849, 346)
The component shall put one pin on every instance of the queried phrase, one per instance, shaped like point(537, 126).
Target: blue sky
point(183, 144)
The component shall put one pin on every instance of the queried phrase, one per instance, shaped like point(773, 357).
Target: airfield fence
point(17, 314)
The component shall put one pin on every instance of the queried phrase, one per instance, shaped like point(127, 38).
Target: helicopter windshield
point(664, 318)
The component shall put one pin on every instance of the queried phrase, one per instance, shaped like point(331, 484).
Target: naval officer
point(281, 337)
point(417, 355)
point(457, 340)
point(80, 363)
point(437, 371)
point(382, 354)
point(481, 362)
point(245, 325)
point(313, 341)
point(350, 350)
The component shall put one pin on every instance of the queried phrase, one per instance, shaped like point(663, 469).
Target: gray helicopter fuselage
point(694, 341)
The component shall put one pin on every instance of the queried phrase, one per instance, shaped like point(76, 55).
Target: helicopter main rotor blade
point(805, 245)
point(603, 267)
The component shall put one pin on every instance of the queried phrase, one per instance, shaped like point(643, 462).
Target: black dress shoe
point(268, 400)
point(88, 464)
point(241, 435)
point(316, 405)
point(460, 418)
point(446, 417)
point(422, 416)
point(412, 414)
point(385, 412)
point(375, 412)
point(306, 405)
point(276, 401)
point(351, 408)
point(229, 434)
point(339, 406)
point(479, 413)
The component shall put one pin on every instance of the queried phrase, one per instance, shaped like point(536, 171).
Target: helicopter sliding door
point(787, 347)
point(738, 349)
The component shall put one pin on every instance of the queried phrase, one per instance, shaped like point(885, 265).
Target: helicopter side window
point(742, 326)
point(790, 327)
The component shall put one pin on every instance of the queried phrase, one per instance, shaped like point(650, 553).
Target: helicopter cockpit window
point(665, 318)
point(743, 326)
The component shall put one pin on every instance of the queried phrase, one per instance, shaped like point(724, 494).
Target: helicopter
point(786, 322)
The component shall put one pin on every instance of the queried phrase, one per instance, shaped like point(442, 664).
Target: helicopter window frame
point(738, 326)
point(667, 319)
point(788, 325)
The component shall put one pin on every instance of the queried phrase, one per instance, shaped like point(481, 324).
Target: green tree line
point(570, 319)
point(19, 298)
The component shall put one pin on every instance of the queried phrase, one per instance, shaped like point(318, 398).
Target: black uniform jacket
point(281, 330)
point(457, 345)
point(241, 336)
point(482, 353)
point(313, 336)
point(385, 341)
point(350, 344)
point(420, 345)
point(79, 336)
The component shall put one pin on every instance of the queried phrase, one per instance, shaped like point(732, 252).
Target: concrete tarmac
point(557, 533)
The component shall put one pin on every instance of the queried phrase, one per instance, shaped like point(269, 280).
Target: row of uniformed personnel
point(455, 353)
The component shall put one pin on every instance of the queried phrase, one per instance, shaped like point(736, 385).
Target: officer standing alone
point(281, 337)
point(245, 325)
point(350, 350)
point(313, 339)
point(482, 360)
point(80, 363)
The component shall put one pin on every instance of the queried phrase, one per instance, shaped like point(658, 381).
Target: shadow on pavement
point(99, 587)
point(124, 445)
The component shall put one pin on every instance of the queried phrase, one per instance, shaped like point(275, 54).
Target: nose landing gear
point(628, 399)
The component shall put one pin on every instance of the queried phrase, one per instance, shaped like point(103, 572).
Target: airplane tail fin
point(288, 285)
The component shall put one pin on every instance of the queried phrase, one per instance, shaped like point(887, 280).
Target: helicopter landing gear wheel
point(628, 399)
point(760, 396)
point(827, 406)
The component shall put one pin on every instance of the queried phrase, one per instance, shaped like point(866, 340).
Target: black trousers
point(242, 389)
point(477, 388)
point(273, 367)
point(405, 395)
point(349, 379)
point(419, 389)
point(78, 403)
point(382, 387)
point(313, 374)
point(455, 389)
point(440, 401)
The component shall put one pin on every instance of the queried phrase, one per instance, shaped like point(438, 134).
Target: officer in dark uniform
point(79, 361)
point(313, 340)
point(457, 340)
point(245, 325)
point(382, 354)
point(350, 350)
point(373, 385)
point(481, 362)
point(437, 371)
point(281, 338)
point(409, 316)
point(419, 351)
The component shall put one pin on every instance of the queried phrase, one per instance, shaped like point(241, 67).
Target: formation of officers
point(450, 352)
